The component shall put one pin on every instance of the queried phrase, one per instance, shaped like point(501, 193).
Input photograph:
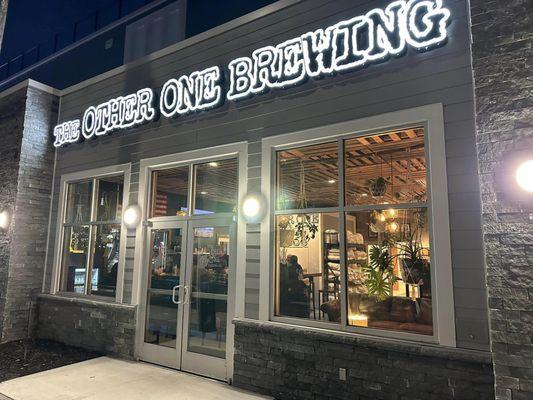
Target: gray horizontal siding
point(440, 76)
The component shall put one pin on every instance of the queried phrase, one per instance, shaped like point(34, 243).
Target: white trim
point(236, 288)
point(432, 117)
point(49, 233)
point(75, 176)
point(30, 83)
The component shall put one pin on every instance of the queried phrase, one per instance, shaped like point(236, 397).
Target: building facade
point(305, 202)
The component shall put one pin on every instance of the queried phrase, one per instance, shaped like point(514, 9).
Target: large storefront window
point(91, 236)
point(378, 255)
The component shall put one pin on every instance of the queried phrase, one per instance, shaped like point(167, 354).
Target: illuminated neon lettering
point(345, 46)
point(242, 79)
point(291, 68)
point(211, 88)
point(67, 132)
point(145, 110)
point(317, 52)
point(348, 51)
point(264, 75)
point(425, 23)
point(88, 126)
point(349, 45)
point(198, 91)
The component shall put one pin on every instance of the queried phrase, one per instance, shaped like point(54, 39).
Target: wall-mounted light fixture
point(524, 175)
point(5, 219)
point(253, 207)
point(132, 216)
point(515, 176)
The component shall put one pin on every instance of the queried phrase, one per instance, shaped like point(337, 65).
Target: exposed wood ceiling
point(397, 156)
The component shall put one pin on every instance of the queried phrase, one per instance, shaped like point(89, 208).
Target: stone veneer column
point(27, 158)
point(502, 54)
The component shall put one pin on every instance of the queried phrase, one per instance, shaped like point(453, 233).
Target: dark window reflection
point(216, 187)
point(170, 192)
point(105, 260)
point(109, 206)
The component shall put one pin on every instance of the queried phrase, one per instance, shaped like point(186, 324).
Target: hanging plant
point(306, 229)
point(415, 263)
point(378, 224)
point(378, 186)
point(298, 230)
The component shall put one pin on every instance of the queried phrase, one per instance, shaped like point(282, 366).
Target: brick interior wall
point(108, 328)
point(297, 363)
point(502, 53)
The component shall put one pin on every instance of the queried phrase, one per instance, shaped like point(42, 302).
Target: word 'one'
point(348, 45)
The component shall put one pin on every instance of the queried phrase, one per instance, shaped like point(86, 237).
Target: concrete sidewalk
point(106, 378)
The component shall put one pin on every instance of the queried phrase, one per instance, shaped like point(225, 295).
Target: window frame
point(429, 117)
point(191, 189)
point(93, 175)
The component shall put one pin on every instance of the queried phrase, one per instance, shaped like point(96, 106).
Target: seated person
point(294, 300)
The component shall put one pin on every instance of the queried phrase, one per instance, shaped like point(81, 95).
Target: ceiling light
point(213, 164)
point(332, 181)
point(203, 193)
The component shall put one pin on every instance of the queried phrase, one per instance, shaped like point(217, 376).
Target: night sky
point(31, 22)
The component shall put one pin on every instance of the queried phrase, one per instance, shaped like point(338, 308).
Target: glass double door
point(186, 316)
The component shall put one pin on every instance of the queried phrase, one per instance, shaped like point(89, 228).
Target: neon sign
point(349, 45)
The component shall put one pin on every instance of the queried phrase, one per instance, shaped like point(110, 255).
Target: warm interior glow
point(524, 176)
point(358, 320)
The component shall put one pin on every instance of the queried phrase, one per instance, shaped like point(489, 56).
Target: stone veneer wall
point(108, 328)
point(26, 184)
point(297, 363)
point(12, 110)
point(502, 52)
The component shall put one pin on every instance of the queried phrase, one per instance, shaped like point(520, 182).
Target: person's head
point(292, 260)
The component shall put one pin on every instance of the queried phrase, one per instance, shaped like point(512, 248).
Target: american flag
point(161, 203)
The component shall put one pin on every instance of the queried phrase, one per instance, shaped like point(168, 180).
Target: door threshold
point(227, 382)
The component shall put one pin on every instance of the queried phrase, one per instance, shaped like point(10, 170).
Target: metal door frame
point(153, 353)
point(202, 364)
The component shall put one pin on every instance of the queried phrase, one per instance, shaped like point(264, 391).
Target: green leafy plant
point(414, 262)
point(379, 273)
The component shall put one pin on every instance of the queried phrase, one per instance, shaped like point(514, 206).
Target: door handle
point(187, 295)
point(177, 287)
